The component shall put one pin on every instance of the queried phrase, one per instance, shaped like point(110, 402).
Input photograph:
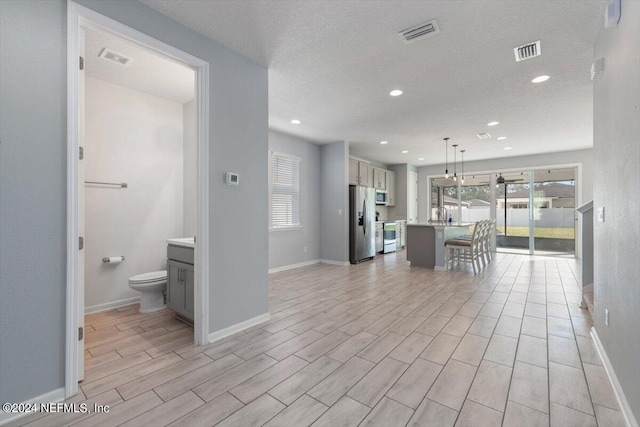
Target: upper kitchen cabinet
point(404, 200)
point(379, 179)
point(359, 173)
point(390, 182)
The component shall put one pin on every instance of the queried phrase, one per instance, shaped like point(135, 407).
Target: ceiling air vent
point(484, 135)
point(420, 31)
point(112, 56)
point(527, 51)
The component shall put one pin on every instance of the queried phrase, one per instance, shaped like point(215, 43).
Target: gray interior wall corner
point(334, 207)
point(617, 160)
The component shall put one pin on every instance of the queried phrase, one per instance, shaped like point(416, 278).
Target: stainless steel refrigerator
point(362, 223)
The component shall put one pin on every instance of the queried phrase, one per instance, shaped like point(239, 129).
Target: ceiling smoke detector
point(484, 135)
point(117, 58)
point(527, 51)
point(420, 31)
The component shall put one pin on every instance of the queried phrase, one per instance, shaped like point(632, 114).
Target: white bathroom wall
point(135, 138)
point(190, 195)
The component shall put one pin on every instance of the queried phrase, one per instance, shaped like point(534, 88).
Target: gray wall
point(334, 197)
point(617, 162)
point(585, 188)
point(286, 247)
point(33, 184)
point(32, 197)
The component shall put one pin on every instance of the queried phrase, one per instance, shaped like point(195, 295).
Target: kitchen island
point(425, 242)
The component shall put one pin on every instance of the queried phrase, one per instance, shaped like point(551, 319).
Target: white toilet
point(152, 286)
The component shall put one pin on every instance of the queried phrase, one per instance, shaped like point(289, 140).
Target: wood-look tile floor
point(376, 344)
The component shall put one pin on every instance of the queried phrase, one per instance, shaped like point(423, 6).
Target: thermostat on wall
point(231, 178)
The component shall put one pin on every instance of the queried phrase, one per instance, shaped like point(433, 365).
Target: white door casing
point(81, 201)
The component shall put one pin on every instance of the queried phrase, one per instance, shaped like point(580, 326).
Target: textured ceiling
point(333, 63)
point(147, 72)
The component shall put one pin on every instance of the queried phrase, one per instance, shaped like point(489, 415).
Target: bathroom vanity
point(180, 277)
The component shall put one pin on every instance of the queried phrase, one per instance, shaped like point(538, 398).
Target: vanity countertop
point(186, 242)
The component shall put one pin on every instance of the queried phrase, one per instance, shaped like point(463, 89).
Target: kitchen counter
point(425, 242)
point(185, 242)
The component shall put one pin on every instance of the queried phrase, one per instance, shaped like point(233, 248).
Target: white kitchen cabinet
point(379, 179)
point(359, 173)
point(353, 171)
point(390, 179)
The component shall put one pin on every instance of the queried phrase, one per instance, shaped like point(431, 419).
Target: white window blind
point(285, 190)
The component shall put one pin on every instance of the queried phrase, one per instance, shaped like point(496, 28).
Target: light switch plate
point(601, 214)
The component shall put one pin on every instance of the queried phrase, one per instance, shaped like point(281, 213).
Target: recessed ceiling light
point(295, 121)
point(500, 138)
point(540, 79)
point(404, 151)
point(493, 123)
point(384, 142)
point(396, 92)
point(420, 158)
point(508, 148)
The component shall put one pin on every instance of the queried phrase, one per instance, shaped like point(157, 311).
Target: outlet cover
point(601, 214)
point(606, 317)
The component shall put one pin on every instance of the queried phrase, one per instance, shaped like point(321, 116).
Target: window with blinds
point(285, 190)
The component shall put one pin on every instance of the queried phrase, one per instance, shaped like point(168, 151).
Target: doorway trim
point(78, 15)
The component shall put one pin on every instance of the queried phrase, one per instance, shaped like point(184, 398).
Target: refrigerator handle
point(364, 216)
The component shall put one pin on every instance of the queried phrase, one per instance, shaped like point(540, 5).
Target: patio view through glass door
point(512, 212)
point(554, 197)
point(533, 209)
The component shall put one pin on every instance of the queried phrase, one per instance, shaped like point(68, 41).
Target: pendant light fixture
point(446, 158)
point(462, 152)
point(455, 155)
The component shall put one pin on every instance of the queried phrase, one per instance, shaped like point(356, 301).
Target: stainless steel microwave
point(381, 197)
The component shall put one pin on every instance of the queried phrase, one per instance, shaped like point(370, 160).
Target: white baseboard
point(617, 388)
point(438, 268)
point(110, 305)
point(292, 266)
point(332, 262)
point(54, 396)
point(218, 335)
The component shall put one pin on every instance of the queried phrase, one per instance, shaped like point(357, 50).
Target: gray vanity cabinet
point(180, 281)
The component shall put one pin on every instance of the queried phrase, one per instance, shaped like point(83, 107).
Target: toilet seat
point(151, 277)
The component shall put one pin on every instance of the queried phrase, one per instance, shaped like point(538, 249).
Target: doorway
point(81, 19)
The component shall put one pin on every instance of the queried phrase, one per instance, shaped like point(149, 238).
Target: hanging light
point(500, 180)
point(462, 152)
point(446, 158)
point(455, 152)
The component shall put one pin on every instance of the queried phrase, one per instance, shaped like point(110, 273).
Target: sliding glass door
point(533, 209)
point(512, 211)
point(554, 196)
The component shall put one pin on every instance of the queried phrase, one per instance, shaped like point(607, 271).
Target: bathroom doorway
point(137, 176)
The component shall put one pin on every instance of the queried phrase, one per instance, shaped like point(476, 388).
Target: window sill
point(286, 228)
